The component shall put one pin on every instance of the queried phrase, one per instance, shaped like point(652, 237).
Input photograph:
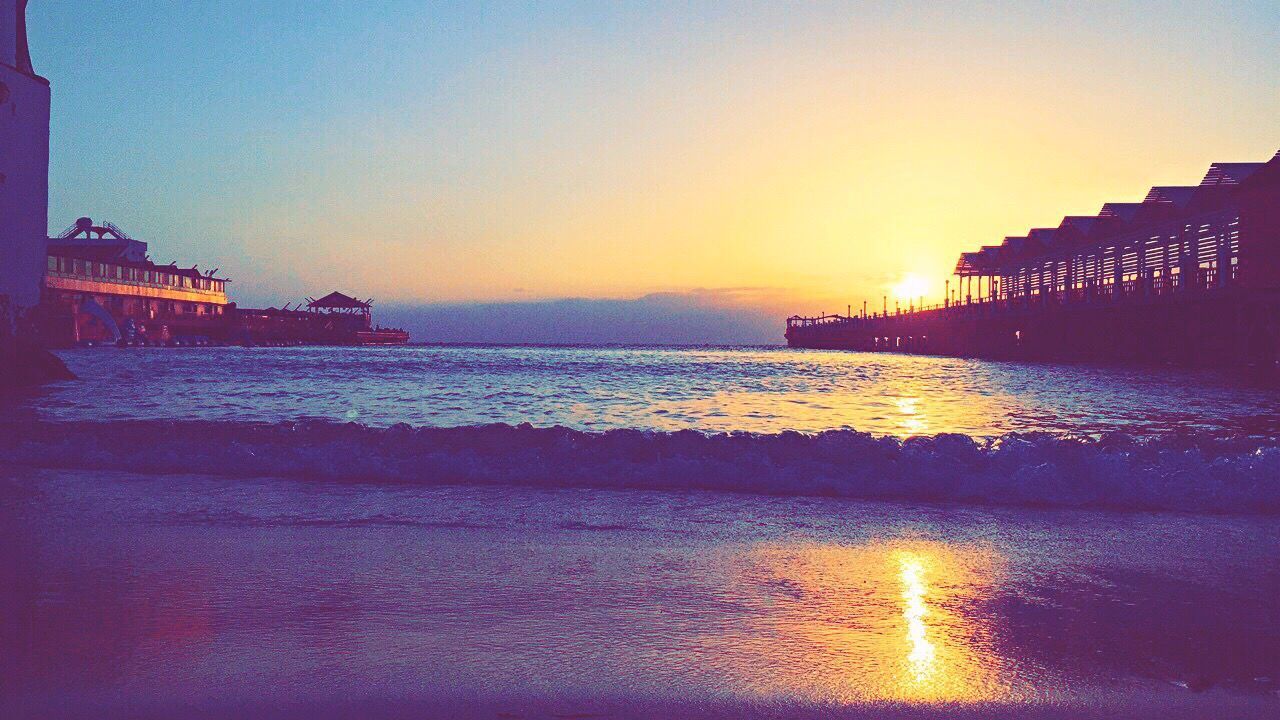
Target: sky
point(688, 161)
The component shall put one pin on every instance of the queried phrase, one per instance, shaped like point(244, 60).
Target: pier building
point(100, 286)
point(93, 283)
point(335, 319)
point(1189, 275)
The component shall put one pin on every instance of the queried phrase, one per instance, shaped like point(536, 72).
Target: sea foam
point(1198, 473)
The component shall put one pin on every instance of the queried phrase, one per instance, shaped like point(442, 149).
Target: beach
point(498, 532)
point(157, 596)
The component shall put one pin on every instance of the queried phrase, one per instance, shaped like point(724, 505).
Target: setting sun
point(911, 287)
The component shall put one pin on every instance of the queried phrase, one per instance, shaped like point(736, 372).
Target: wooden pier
point(1189, 276)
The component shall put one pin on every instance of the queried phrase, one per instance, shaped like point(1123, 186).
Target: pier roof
point(1083, 223)
point(1177, 195)
point(1127, 212)
point(1047, 238)
point(1266, 176)
point(338, 301)
point(1222, 188)
point(112, 255)
point(1229, 173)
point(107, 243)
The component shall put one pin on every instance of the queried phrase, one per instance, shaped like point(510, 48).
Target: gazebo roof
point(338, 301)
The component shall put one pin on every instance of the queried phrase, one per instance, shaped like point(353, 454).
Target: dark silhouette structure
point(24, 168)
point(1190, 275)
point(335, 319)
point(24, 203)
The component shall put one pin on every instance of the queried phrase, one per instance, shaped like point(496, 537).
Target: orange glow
point(884, 621)
point(911, 288)
point(922, 660)
point(905, 404)
point(818, 151)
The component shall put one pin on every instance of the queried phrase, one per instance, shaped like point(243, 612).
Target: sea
point(636, 532)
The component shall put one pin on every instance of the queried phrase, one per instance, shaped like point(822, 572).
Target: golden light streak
point(889, 621)
point(922, 658)
point(913, 421)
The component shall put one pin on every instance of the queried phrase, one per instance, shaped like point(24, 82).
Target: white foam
point(1187, 473)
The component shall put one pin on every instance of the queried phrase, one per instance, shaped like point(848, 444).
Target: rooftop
point(1217, 190)
point(338, 301)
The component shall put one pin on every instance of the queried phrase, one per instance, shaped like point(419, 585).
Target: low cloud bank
point(694, 318)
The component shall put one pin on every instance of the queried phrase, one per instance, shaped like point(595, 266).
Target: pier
point(1188, 276)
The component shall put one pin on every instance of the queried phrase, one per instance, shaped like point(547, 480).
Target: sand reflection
point(923, 657)
point(885, 621)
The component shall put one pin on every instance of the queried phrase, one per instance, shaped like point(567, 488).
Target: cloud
point(697, 317)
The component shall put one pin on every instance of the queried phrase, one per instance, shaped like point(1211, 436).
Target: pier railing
point(1205, 279)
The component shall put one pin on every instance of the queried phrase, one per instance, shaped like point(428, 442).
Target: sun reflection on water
point(912, 420)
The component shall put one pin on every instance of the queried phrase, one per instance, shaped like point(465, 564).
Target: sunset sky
point(783, 158)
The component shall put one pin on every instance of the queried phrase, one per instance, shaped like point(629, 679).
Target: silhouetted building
point(1189, 275)
point(335, 319)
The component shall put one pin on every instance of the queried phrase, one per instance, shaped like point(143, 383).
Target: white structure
point(24, 166)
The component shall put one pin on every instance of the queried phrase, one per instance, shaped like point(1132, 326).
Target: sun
point(911, 287)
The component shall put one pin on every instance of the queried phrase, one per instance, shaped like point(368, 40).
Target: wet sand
point(164, 596)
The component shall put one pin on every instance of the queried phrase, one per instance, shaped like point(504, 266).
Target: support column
point(1142, 266)
point(1117, 271)
point(24, 169)
point(1224, 255)
point(1165, 279)
point(1190, 263)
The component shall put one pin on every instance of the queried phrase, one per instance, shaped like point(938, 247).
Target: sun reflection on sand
point(884, 621)
point(922, 657)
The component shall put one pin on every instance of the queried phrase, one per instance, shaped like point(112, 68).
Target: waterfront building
point(101, 287)
point(335, 319)
point(353, 318)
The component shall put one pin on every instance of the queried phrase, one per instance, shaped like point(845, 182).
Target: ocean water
point(759, 390)
point(635, 532)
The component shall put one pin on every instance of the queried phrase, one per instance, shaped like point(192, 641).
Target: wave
point(1197, 473)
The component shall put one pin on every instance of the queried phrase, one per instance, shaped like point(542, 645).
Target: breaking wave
point(1197, 473)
